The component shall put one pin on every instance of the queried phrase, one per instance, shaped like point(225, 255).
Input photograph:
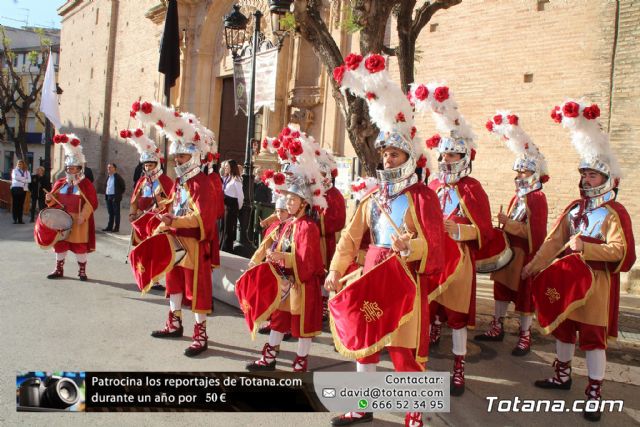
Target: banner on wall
point(266, 71)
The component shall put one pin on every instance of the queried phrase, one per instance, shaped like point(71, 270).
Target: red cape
point(429, 216)
point(88, 191)
point(475, 204)
point(165, 182)
point(218, 194)
point(537, 205)
point(218, 202)
point(431, 227)
point(332, 221)
point(200, 192)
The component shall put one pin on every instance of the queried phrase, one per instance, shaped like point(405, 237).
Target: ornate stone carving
point(156, 13)
point(305, 96)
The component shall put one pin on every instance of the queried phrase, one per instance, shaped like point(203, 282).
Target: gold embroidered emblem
point(552, 294)
point(371, 311)
point(140, 268)
point(245, 306)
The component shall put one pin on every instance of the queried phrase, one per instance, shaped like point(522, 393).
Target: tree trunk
point(372, 16)
point(406, 49)
point(21, 134)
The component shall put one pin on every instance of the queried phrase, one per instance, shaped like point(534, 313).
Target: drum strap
point(70, 189)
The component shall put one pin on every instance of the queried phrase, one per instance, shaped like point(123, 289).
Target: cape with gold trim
point(475, 204)
point(218, 201)
point(88, 193)
point(331, 221)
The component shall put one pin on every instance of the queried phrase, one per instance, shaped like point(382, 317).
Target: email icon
point(328, 392)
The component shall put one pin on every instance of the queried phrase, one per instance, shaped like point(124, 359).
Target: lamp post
point(235, 26)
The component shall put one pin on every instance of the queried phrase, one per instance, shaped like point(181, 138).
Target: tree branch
point(391, 51)
point(426, 12)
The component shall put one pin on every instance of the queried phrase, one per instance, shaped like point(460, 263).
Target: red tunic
point(87, 195)
point(536, 226)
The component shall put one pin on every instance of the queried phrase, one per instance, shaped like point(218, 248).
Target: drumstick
point(350, 275)
point(126, 257)
point(501, 226)
point(393, 224)
point(50, 193)
point(565, 246)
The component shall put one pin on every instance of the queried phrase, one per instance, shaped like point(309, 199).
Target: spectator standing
point(88, 173)
point(20, 179)
point(113, 195)
point(137, 173)
point(233, 198)
point(39, 183)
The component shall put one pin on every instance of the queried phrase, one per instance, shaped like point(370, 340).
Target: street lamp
point(235, 26)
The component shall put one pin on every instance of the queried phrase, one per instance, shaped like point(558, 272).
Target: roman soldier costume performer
point(77, 197)
point(402, 219)
point(191, 220)
point(525, 224)
point(467, 219)
point(290, 256)
point(154, 189)
point(595, 237)
point(209, 159)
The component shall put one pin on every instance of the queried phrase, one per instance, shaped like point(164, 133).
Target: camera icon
point(328, 392)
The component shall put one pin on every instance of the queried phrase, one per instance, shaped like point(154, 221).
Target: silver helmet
point(186, 169)
point(403, 172)
point(452, 172)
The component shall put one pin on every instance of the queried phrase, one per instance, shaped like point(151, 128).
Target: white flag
point(49, 97)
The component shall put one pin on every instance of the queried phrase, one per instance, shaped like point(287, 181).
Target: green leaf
point(288, 22)
point(349, 24)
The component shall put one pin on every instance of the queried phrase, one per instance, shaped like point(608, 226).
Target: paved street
point(104, 325)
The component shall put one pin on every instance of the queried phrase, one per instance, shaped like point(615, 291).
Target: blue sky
point(40, 13)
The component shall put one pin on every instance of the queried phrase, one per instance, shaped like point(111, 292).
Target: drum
point(260, 291)
point(366, 313)
point(154, 257)
point(560, 289)
point(52, 226)
point(495, 253)
point(145, 225)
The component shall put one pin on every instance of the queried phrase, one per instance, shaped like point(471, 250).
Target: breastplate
point(181, 202)
point(519, 211)
point(590, 224)
point(381, 228)
point(149, 190)
point(449, 201)
point(65, 188)
point(286, 240)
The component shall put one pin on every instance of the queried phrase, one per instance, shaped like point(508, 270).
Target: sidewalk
point(103, 324)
